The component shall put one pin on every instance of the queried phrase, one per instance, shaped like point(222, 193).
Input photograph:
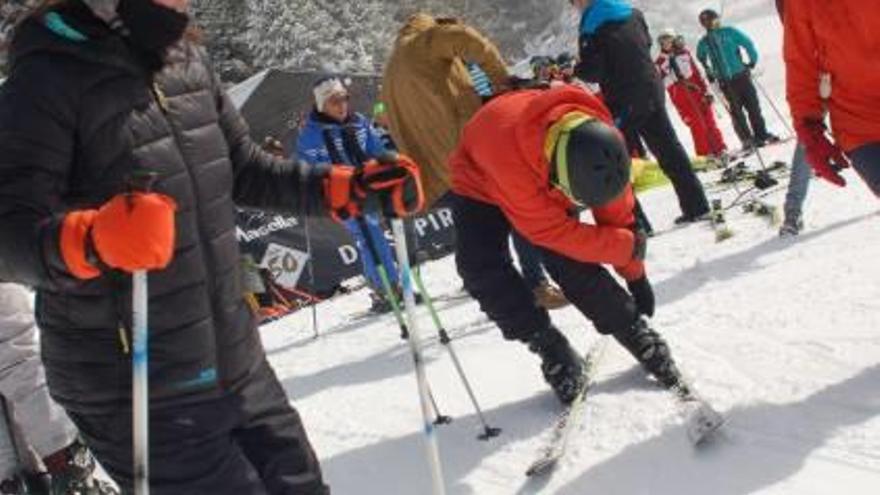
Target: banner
point(278, 244)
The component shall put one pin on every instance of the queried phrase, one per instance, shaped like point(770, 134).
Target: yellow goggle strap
point(557, 137)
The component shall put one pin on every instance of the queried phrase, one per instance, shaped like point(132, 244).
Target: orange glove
point(131, 232)
point(398, 186)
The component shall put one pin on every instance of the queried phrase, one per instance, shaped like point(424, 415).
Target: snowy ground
point(781, 335)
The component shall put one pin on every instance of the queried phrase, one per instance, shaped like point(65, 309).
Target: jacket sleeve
point(619, 213)
point(375, 145)
point(263, 181)
point(703, 57)
point(744, 41)
point(456, 40)
point(37, 148)
point(591, 63)
point(307, 151)
point(802, 66)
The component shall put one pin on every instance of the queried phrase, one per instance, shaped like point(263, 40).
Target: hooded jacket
point(429, 93)
point(615, 52)
point(312, 142)
point(501, 161)
point(838, 39)
point(77, 115)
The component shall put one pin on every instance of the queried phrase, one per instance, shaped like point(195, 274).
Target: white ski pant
point(43, 423)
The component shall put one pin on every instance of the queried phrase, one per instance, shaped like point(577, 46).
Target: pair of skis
point(701, 419)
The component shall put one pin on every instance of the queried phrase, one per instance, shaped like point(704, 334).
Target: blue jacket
point(719, 52)
point(311, 146)
point(604, 11)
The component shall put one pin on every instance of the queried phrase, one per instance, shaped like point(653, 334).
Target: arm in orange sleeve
point(460, 41)
point(619, 213)
point(546, 223)
point(802, 64)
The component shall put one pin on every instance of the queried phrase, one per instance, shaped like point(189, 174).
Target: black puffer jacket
point(618, 57)
point(76, 117)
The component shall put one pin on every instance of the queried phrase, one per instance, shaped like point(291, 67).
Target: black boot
point(72, 471)
point(560, 364)
point(649, 348)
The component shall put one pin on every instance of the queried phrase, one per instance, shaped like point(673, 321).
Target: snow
point(779, 334)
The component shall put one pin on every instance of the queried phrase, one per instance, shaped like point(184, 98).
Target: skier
point(65, 466)
point(568, 155)
point(615, 52)
point(335, 135)
point(429, 92)
point(837, 81)
point(689, 93)
point(99, 91)
point(720, 53)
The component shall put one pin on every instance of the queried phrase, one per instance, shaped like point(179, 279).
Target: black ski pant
point(742, 97)
point(482, 256)
point(656, 129)
point(248, 442)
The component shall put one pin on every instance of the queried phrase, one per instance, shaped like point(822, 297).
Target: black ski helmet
point(708, 17)
point(589, 160)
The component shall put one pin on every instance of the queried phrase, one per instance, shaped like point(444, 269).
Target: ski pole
point(140, 394)
point(315, 300)
point(772, 103)
point(439, 419)
point(415, 345)
point(488, 431)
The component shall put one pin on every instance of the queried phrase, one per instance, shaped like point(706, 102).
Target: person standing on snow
point(101, 91)
point(826, 47)
point(334, 135)
point(720, 53)
point(44, 426)
point(429, 92)
point(615, 51)
point(568, 156)
point(689, 93)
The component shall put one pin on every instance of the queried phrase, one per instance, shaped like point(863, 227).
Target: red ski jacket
point(683, 76)
point(840, 39)
point(500, 160)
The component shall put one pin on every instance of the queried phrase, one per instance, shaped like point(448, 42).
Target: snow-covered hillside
point(781, 335)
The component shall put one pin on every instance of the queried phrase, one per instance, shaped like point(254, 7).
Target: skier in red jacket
point(525, 162)
point(689, 93)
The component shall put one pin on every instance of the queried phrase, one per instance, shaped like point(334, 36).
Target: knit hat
point(326, 88)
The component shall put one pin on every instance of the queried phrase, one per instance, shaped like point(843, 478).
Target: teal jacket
point(720, 52)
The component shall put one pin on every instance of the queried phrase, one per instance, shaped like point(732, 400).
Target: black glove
point(710, 78)
point(750, 65)
point(643, 294)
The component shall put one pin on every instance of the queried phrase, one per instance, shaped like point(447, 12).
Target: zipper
point(162, 101)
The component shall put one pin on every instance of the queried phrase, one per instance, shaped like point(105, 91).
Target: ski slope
point(781, 335)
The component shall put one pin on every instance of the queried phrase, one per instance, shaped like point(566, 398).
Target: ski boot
point(692, 218)
point(649, 349)
point(549, 297)
point(792, 226)
point(380, 304)
point(72, 470)
point(563, 369)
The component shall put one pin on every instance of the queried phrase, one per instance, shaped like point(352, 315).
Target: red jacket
point(687, 77)
point(500, 160)
point(841, 39)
